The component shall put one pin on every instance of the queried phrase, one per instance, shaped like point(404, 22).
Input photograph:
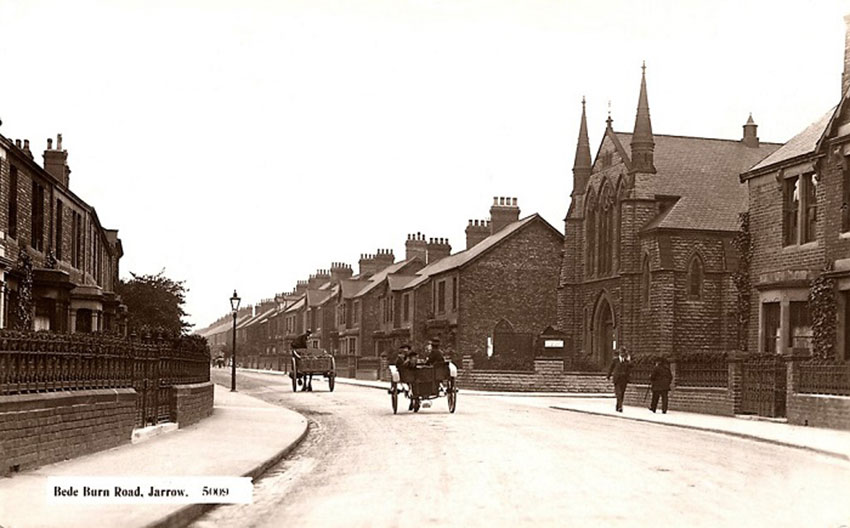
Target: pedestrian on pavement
point(620, 368)
point(660, 381)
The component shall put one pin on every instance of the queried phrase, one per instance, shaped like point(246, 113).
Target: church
point(648, 257)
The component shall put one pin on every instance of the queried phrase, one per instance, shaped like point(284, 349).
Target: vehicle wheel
point(331, 382)
point(416, 405)
point(294, 375)
point(394, 397)
point(452, 397)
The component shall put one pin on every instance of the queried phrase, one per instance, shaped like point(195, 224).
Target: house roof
point(704, 174)
point(379, 277)
point(350, 288)
point(224, 326)
point(400, 282)
point(297, 305)
point(468, 255)
point(800, 145)
point(317, 297)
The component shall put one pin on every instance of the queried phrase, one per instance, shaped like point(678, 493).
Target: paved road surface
point(515, 462)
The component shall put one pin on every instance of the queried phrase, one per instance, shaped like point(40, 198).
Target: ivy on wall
point(743, 243)
point(24, 305)
point(823, 309)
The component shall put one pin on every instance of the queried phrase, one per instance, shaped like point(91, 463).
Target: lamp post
point(234, 304)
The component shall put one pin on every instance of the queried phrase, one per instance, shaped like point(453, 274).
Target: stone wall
point(38, 429)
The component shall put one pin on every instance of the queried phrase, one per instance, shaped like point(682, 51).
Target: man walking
point(620, 368)
point(660, 380)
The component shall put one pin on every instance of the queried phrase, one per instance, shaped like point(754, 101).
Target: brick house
point(497, 294)
point(648, 256)
point(75, 259)
point(800, 227)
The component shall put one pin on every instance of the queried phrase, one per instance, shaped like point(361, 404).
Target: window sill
point(844, 235)
point(800, 247)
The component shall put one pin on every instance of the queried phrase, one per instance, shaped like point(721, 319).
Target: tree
point(154, 302)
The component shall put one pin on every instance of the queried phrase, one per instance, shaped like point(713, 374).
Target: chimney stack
point(368, 266)
point(300, 287)
point(438, 248)
point(416, 246)
point(383, 258)
point(340, 270)
point(503, 213)
point(750, 138)
point(476, 231)
point(56, 161)
point(845, 77)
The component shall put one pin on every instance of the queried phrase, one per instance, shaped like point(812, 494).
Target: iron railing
point(710, 372)
point(42, 362)
point(824, 378)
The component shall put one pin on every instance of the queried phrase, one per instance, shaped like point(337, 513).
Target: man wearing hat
point(435, 357)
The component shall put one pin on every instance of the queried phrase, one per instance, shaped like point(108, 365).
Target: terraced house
point(799, 225)
point(74, 259)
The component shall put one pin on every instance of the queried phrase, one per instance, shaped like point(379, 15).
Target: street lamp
point(234, 304)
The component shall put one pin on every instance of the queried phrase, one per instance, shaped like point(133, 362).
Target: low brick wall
point(818, 410)
point(511, 381)
point(194, 403)
point(704, 400)
point(39, 429)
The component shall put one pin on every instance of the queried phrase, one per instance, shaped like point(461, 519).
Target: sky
point(245, 144)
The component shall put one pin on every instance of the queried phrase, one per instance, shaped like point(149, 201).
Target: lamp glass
point(234, 301)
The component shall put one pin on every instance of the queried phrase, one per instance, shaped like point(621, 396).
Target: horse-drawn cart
point(309, 362)
point(424, 382)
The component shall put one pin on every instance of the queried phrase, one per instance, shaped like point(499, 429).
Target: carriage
point(424, 382)
point(309, 362)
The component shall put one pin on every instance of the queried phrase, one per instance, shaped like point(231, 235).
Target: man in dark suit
point(620, 368)
point(435, 357)
point(660, 379)
point(301, 340)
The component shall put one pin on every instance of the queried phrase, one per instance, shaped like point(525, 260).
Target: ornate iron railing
point(41, 362)
point(824, 378)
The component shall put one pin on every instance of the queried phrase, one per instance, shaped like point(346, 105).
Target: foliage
point(822, 305)
point(154, 304)
point(23, 309)
point(741, 278)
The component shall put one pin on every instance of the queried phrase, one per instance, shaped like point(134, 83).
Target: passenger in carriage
point(435, 357)
point(301, 340)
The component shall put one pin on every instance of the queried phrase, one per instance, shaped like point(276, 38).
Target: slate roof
point(350, 288)
point(704, 174)
point(380, 276)
point(317, 297)
point(400, 282)
point(297, 304)
point(800, 145)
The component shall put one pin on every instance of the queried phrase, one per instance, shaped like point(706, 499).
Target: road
point(502, 461)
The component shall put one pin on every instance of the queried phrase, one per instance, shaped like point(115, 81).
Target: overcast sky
point(244, 144)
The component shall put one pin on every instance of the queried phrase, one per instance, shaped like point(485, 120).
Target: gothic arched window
point(695, 278)
point(645, 281)
point(590, 237)
point(606, 231)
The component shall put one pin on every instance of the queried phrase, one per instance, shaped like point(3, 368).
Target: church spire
point(643, 144)
point(582, 165)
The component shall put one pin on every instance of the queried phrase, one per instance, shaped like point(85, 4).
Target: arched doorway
point(604, 332)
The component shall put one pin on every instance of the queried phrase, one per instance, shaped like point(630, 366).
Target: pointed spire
point(582, 165)
point(750, 138)
point(609, 123)
point(643, 144)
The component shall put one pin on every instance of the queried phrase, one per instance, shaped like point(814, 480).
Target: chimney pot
point(58, 141)
point(49, 143)
point(514, 202)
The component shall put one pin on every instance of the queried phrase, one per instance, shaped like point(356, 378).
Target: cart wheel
point(394, 397)
point(331, 382)
point(452, 396)
point(416, 405)
point(294, 375)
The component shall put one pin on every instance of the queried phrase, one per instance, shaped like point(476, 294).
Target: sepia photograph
point(414, 263)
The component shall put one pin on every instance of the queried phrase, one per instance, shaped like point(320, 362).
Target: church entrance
point(604, 333)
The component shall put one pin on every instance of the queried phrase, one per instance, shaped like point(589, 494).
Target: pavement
point(217, 447)
point(243, 437)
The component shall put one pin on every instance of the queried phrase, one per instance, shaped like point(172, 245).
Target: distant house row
point(74, 259)
point(506, 277)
